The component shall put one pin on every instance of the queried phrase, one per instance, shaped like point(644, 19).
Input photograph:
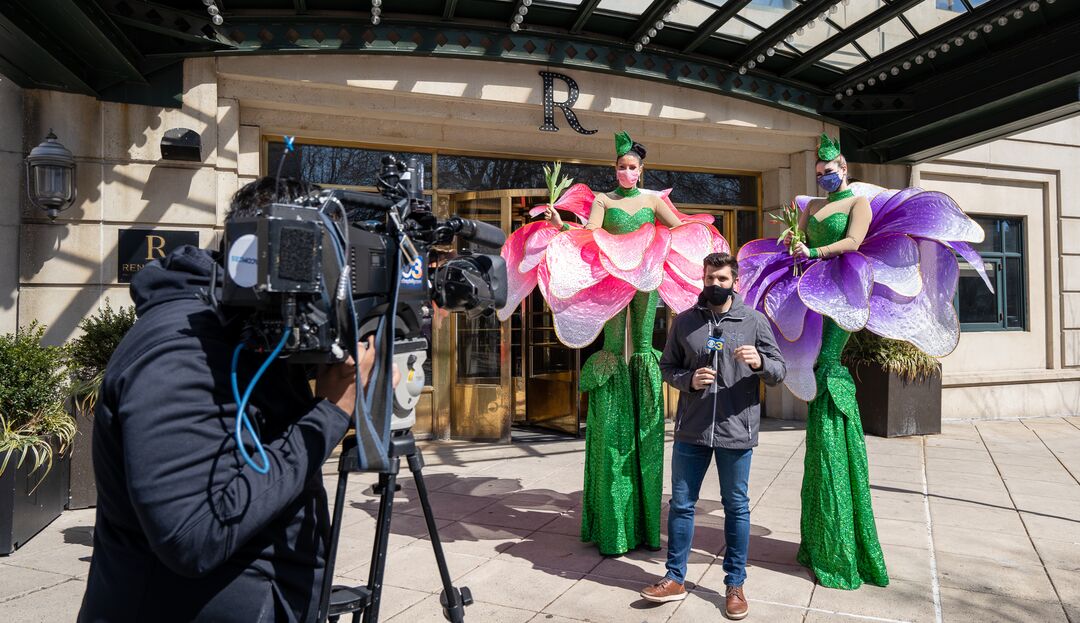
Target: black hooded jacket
point(185, 529)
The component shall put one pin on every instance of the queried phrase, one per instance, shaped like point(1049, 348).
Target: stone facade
point(58, 272)
point(68, 268)
point(1035, 176)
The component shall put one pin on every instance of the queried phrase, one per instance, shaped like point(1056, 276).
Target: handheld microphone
point(715, 344)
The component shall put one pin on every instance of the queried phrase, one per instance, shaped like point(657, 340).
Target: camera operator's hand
point(337, 382)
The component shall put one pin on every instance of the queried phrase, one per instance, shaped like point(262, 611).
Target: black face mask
point(716, 295)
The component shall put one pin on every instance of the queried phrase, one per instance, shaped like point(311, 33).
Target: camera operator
point(187, 530)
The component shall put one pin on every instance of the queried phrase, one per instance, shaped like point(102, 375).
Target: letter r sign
point(567, 106)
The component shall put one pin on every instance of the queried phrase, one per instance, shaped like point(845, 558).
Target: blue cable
point(242, 420)
point(362, 408)
point(389, 397)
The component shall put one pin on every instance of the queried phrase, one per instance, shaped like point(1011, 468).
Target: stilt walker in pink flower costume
point(605, 275)
point(878, 259)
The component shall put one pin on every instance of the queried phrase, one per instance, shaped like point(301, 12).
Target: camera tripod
point(336, 601)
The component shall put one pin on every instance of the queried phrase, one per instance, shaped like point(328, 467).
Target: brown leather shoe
point(664, 591)
point(736, 605)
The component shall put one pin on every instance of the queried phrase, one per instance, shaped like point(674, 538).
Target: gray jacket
point(730, 416)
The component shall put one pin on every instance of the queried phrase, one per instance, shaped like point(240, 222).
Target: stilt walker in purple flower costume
point(878, 259)
point(605, 275)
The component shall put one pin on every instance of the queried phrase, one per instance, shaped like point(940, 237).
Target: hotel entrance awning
point(906, 80)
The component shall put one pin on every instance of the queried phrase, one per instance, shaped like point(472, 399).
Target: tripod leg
point(331, 554)
point(387, 480)
point(453, 601)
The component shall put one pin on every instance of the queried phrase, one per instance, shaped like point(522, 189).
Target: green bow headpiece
point(829, 149)
point(623, 143)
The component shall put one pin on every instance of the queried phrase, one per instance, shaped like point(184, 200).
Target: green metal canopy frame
point(984, 69)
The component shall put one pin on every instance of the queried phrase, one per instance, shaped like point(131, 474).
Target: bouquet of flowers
point(556, 183)
point(789, 217)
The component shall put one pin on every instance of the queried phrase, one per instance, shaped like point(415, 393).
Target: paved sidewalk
point(981, 523)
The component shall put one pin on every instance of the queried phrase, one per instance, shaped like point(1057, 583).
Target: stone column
point(12, 178)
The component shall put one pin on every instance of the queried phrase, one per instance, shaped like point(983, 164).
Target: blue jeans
point(689, 463)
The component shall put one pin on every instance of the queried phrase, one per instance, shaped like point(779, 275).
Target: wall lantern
point(50, 176)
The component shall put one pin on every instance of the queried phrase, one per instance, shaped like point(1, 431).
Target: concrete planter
point(893, 407)
point(26, 506)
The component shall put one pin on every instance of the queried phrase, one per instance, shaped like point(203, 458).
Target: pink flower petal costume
point(606, 280)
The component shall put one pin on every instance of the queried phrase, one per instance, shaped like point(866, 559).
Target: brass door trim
point(474, 195)
point(482, 409)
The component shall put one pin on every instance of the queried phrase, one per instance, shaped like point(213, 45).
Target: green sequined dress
point(624, 439)
point(839, 536)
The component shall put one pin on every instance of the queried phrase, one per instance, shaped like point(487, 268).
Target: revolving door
point(498, 374)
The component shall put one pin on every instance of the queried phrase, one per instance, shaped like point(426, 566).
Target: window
point(476, 173)
point(548, 354)
point(337, 166)
point(705, 188)
point(1002, 252)
point(746, 228)
point(957, 6)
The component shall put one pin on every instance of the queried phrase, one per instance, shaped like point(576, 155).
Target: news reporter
point(717, 355)
point(186, 529)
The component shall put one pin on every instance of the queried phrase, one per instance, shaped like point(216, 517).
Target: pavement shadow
point(80, 535)
point(967, 501)
point(542, 527)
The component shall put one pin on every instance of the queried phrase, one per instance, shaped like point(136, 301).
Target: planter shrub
point(88, 355)
point(35, 432)
point(898, 387)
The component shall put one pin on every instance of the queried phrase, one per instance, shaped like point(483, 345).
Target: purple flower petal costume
point(899, 283)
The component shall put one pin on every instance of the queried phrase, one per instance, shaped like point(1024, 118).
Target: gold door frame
point(553, 398)
point(481, 410)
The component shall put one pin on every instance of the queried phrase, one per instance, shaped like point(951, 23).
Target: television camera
point(321, 272)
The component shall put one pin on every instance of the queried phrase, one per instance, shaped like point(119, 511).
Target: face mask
point(716, 295)
point(628, 178)
point(830, 182)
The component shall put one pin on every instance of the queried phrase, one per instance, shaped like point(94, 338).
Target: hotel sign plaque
point(138, 247)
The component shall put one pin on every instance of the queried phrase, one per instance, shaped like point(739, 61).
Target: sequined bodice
point(619, 221)
point(826, 231)
point(820, 233)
